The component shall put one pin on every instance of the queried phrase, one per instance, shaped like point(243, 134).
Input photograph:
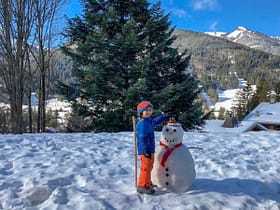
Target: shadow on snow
point(239, 187)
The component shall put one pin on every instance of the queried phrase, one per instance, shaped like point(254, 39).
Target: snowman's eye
point(174, 130)
point(167, 129)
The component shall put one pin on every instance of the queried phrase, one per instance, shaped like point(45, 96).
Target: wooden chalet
point(265, 117)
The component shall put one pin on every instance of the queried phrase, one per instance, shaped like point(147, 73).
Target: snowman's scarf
point(168, 152)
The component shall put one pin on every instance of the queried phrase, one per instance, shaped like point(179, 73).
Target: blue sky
point(219, 15)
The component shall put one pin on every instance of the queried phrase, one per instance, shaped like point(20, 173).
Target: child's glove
point(148, 154)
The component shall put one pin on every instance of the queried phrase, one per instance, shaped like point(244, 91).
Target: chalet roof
point(265, 113)
point(250, 125)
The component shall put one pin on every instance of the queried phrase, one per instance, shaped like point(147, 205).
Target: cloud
point(178, 12)
point(205, 4)
point(213, 26)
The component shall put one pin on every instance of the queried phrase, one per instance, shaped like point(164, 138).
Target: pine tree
point(124, 55)
point(260, 95)
point(277, 91)
point(262, 91)
point(243, 104)
point(239, 105)
point(248, 93)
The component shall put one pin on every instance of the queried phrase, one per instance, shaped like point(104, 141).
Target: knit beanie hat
point(143, 106)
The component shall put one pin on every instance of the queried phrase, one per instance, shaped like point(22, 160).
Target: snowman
point(173, 166)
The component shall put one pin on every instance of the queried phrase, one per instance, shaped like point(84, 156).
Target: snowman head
point(172, 134)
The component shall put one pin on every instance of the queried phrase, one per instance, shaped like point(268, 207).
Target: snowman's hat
point(172, 119)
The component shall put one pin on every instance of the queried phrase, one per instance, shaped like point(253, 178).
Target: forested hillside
point(222, 61)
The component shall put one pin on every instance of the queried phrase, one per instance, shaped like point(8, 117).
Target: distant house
point(266, 116)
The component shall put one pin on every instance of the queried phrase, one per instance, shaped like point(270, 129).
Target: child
point(146, 144)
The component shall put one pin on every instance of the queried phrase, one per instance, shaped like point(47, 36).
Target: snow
point(227, 98)
point(217, 34)
point(265, 112)
point(96, 171)
point(256, 46)
point(237, 33)
point(234, 35)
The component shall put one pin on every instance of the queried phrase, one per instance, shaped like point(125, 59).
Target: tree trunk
point(30, 124)
point(45, 12)
point(39, 110)
point(43, 104)
point(15, 24)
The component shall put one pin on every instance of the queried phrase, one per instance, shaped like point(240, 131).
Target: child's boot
point(144, 190)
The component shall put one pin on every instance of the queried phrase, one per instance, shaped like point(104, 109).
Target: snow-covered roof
point(249, 126)
point(265, 113)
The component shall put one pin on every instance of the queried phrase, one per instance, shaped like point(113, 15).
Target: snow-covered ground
point(226, 98)
point(96, 171)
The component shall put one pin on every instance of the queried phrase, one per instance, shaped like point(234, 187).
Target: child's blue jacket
point(145, 133)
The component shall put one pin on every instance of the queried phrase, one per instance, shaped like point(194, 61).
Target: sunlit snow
point(96, 171)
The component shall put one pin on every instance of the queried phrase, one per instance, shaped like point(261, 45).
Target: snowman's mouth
point(170, 140)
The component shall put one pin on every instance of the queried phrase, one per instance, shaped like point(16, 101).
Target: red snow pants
point(145, 171)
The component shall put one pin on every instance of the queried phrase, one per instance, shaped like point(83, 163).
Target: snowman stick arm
point(199, 148)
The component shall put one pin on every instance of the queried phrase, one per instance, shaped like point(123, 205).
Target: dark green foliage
point(244, 103)
point(262, 94)
point(221, 61)
point(277, 91)
point(123, 55)
point(262, 91)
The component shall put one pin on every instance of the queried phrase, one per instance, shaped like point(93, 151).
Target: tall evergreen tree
point(123, 55)
point(243, 105)
point(262, 91)
point(262, 94)
point(277, 91)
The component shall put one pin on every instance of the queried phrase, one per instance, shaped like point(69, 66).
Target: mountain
point(218, 60)
point(252, 39)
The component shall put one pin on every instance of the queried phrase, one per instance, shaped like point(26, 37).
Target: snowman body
point(173, 166)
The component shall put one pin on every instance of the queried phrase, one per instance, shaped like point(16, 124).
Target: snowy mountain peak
point(252, 39)
point(238, 33)
point(241, 28)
